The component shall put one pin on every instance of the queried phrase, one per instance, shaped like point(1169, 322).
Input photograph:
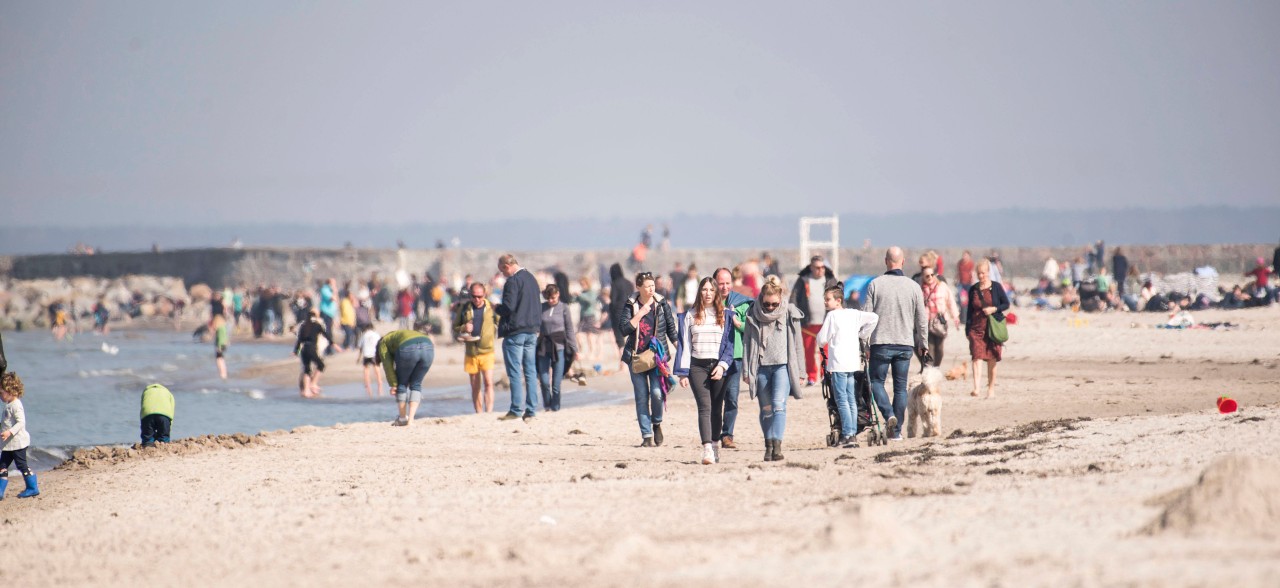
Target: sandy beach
point(1085, 470)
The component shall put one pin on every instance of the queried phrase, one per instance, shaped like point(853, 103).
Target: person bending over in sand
point(157, 414)
point(406, 356)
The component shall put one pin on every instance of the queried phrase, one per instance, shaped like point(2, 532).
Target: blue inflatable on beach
point(859, 283)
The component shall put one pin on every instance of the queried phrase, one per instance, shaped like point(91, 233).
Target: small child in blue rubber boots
point(157, 414)
point(14, 438)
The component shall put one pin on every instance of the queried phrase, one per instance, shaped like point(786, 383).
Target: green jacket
point(220, 338)
point(156, 399)
point(488, 328)
point(388, 345)
point(741, 312)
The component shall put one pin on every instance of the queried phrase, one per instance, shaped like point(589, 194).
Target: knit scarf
point(773, 329)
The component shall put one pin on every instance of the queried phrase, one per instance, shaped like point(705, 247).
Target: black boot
point(768, 449)
point(777, 450)
point(657, 434)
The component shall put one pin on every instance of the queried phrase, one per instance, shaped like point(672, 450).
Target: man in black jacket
point(521, 318)
point(814, 279)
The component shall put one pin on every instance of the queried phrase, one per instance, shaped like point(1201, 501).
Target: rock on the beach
point(1237, 496)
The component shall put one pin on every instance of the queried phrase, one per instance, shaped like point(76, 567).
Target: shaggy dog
point(959, 372)
point(924, 404)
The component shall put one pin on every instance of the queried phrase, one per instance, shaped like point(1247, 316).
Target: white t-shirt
point(817, 307)
point(369, 344)
point(841, 331)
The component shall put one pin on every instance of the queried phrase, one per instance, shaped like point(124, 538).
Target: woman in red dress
point(986, 299)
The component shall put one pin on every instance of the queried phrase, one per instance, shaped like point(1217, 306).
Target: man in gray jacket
point(899, 303)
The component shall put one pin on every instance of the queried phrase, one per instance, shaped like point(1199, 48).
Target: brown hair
point(717, 303)
point(550, 290)
point(643, 277)
point(506, 259)
point(12, 384)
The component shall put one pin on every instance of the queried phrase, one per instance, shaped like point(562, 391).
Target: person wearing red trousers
point(813, 280)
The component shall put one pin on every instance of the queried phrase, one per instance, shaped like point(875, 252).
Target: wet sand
point(1067, 477)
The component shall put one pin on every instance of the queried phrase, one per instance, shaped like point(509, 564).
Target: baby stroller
point(868, 417)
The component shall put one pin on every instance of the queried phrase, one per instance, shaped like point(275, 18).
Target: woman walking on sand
point(773, 361)
point(706, 352)
point(987, 301)
point(940, 301)
point(557, 344)
point(646, 317)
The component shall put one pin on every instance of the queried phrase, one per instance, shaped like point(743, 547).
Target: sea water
point(87, 390)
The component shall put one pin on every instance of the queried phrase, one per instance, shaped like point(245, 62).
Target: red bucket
point(1226, 405)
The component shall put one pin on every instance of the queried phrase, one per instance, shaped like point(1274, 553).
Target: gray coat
point(751, 351)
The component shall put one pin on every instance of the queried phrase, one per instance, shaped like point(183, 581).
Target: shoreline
point(1065, 476)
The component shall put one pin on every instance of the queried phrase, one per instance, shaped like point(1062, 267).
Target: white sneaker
point(715, 451)
point(708, 454)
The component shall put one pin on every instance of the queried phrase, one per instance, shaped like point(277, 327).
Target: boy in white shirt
point(842, 332)
point(368, 354)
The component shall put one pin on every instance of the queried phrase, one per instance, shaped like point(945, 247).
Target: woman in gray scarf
point(773, 361)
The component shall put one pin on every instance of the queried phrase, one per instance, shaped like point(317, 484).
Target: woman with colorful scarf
point(648, 324)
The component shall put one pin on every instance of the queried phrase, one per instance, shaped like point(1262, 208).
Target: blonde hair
point(983, 263)
point(772, 285)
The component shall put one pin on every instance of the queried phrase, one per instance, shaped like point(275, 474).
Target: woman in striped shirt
point(705, 353)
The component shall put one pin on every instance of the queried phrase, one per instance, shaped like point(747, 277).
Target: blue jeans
point(648, 390)
point(844, 388)
point(412, 362)
point(734, 375)
point(550, 373)
point(899, 358)
point(773, 385)
point(518, 352)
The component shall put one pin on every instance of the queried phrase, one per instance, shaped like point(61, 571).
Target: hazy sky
point(198, 112)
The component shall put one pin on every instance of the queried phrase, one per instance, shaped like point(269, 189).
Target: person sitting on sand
point(14, 438)
point(406, 356)
point(309, 349)
point(157, 414)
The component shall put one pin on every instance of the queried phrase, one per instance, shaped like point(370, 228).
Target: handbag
point(938, 326)
point(997, 329)
point(643, 361)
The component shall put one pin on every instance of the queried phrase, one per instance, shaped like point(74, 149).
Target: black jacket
point(620, 289)
point(521, 308)
point(998, 298)
point(800, 293)
point(665, 324)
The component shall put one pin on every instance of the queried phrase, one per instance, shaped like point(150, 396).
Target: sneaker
point(891, 428)
point(810, 383)
point(399, 422)
point(727, 442)
point(648, 442)
point(715, 452)
point(657, 434)
point(896, 438)
point(708, 455)
point(850, 443)
point(511, 416)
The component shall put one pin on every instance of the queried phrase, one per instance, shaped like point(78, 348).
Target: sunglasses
point(645, 275)
point(770, 305)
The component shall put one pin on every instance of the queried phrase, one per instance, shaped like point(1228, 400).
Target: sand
point(1100, 462)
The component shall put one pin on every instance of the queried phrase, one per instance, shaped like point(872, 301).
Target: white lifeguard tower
point(808, 245)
